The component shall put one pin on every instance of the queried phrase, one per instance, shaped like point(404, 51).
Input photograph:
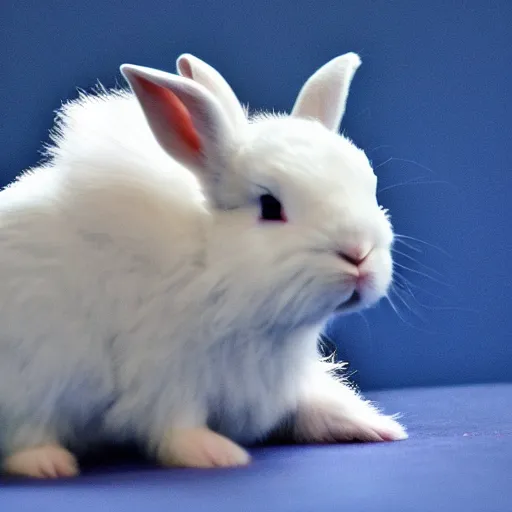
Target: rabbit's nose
point(354, 255)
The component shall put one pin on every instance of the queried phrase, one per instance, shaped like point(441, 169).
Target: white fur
point(133, 307)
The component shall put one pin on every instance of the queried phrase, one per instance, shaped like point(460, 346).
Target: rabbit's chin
point(358, 302)
point(352, 304)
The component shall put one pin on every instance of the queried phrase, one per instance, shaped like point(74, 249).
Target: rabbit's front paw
point(200, 448)
point(49, 461)
point(325, 423)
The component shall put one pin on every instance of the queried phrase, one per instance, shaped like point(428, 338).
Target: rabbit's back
point(107, 201)
point(84, 240)
point(52, 332)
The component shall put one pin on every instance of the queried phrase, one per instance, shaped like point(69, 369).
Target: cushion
point(458, 457)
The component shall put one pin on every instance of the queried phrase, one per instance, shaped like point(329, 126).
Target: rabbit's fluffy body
point(138, 301)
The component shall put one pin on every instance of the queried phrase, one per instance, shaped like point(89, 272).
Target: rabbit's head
point(294, 202)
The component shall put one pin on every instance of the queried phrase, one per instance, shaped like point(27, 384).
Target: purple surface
point(459, 457)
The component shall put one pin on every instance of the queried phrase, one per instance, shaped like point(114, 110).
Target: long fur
point(129, 305)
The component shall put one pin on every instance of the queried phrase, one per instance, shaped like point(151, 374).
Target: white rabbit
point(166, 273)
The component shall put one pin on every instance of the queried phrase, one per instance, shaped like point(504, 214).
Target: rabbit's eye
point(271, 209)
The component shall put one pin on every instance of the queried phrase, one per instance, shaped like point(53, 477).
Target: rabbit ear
point(204, 74)
point(324, 96)
point(186, 119)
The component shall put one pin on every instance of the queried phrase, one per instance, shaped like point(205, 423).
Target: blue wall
point(435, 89)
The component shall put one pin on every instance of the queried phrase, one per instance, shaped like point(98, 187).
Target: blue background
point(431, 104)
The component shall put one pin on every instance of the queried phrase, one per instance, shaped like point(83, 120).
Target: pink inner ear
point(174, 113)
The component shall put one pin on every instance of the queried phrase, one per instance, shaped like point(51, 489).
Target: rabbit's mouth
point(353, 301)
